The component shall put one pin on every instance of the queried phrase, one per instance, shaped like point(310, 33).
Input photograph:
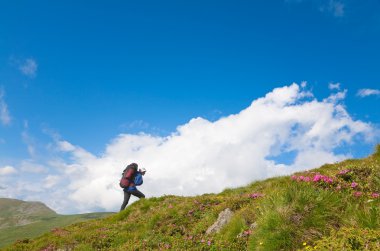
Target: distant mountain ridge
point(15, 213)
point(28, 219)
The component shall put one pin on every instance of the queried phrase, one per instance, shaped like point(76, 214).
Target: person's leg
point(137, 193)
point(127, 195)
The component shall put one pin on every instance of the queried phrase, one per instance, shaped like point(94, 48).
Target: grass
point(41, 225)
point(289, 214)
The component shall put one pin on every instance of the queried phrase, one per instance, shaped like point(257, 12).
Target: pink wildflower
point(209, 243)
point(248, 232)
point(375, 195)
point(301, 177)
point(317, 177)
point(306, 179)
point(328, 180)
point(202, 241)
point(358, 194)
point(344, 171)
point(256, 195)
point(170, 206)
point(294, 177)
point(354, 184)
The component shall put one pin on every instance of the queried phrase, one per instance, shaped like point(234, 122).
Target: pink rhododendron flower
point(317, 177)
point(327, 179)
point(358, 194)
point(354, 184)
point(256, 195)
point(375, 195)
point(344, 171)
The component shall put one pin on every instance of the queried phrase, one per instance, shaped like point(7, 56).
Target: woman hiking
point(130, 179)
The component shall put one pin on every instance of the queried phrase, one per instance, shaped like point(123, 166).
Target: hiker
point(134, 178)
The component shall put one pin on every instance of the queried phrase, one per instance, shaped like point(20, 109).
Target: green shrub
point(350, 239)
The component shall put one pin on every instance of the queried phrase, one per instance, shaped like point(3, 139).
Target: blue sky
point(71, 71)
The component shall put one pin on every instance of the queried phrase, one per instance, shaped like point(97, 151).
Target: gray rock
point(223, 218)
point(253, 226)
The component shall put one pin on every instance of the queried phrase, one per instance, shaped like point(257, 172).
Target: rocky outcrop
point(223, 219)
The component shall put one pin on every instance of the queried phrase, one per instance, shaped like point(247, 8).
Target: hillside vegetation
point(334, 207)
point(22, 219)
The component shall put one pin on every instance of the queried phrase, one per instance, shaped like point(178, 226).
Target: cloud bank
point(286, 131)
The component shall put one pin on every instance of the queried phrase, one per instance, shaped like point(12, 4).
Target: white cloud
point(334, 86)
point(51, 180)
point(65, 146)
point(5, 118)
point(6, 170)
point(203, 156)
point(29, 67)
point(29, 142)
point(336, 97)
point(29, 166)
point(368, 92)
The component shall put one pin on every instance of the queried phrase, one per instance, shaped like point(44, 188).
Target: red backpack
point(128, 175)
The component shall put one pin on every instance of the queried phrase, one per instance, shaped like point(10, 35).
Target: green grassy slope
point(21, 219)
point(335, 207)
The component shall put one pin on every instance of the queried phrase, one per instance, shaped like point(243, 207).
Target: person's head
point(142, 171)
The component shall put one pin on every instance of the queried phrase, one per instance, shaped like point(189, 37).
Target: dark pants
point(127, 195)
